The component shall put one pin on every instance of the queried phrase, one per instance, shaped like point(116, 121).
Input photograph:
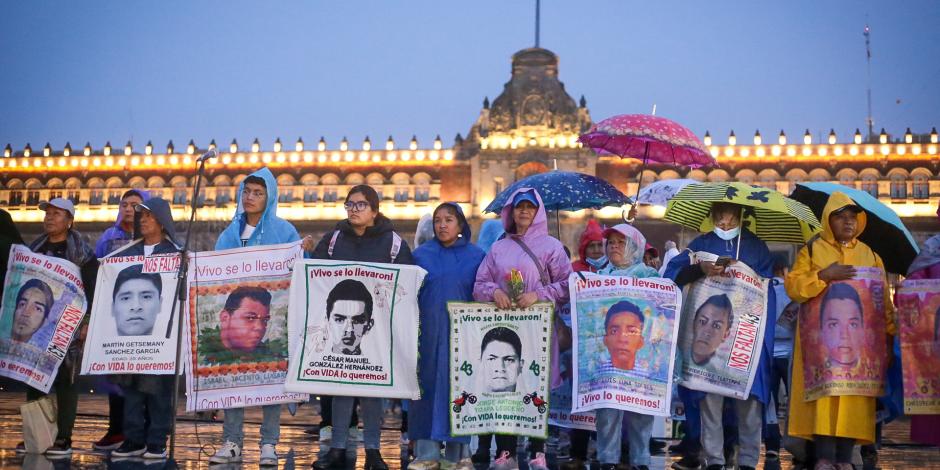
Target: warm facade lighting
point(299, 145)
point(256, 146)
point(277, 145)
point(807, 138)
point(7, 151)
point(883, 137)
point(321, 145)
point(212, 145)
point(27, 151)
point(128, 148)
point(343, 144)
point(732, 139)
point(170, 148)
point(367, 144)
point(107, 149)
point(47, 150)
point(908, 136)
point(390, 144)
point(782, 138)
point(414, 143)
point(832, 136)
point(707, 139)
point(67, 150)
point(148, 149)
point(233, 147)
point(191, 147)
point(858, 137)
point(438, 144)
point(933, 135)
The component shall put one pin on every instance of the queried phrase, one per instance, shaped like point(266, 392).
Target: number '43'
point(536, 369)
point(466, 368)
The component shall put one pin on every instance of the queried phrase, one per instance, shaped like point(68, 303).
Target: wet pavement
point(196, 440)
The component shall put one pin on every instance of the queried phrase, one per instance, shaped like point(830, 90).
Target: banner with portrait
point(132, 329)
point(842, 335)
point(919, 327)
point(354, 329)
point(721, 331)
point(625, 330)
point(41, 312)
point(499, 369)
point(236, 328)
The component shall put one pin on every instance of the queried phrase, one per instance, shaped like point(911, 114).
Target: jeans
point(428, 450)
point(139, 406)
point(834, 449)
point(639, 430)
point(750, 420)
point(233, 429)
point(371, 421)
point(326, 412)
point(66, 394)
point(504, 443)
point(115, 414)
point(580, 439)
point(778, 373)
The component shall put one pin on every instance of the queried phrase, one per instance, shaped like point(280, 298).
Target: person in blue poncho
point(452, 262)
point(723, 241)
point(491, 231)
point(255, 223)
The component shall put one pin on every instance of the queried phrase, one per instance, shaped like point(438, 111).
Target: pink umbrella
point(651, 139)
point(647, 138)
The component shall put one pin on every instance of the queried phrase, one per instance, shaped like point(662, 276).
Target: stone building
point(531, 127)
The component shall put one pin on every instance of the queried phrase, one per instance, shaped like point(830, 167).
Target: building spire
point(871, 121)
point(538, 5)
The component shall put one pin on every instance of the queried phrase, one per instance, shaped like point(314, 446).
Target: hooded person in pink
point(544, 266)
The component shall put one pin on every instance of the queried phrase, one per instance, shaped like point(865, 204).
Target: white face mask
point(727, 234)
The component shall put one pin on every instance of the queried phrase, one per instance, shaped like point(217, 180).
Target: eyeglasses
point(257, 194)
point(356, 205)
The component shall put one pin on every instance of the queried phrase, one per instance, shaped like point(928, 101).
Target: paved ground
point(196, 441)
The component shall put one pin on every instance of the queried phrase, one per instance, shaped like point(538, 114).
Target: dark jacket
point(375, 245)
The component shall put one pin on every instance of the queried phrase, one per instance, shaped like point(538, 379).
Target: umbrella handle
point(639, 183)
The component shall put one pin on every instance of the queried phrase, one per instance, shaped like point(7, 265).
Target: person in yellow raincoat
point(834, 423)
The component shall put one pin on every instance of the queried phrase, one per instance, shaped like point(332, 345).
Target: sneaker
point(326, 434)
point(334, 459)
point(424, 465)
point(481, 457)
point(230, 452)
point(505, 462)
point(61, 447)
point(374, 460)
point(772, 454)
point(657, 446)
point(354, 435)
point(538, 463)
point(268, 456)
point(129, 449)
point(109, 442)
point(465, 464)
point(687, 463)
point(21, 448)
point(403, 442)
point(156, 452)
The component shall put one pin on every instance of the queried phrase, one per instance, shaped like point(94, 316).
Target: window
point(310, 195)
point(921, 187)
point(329, 195)
point(286, 196)
point(422, 194)
point(898, 187)
point(179, 196)
point(401, 194)
point(222, 197)
point(32, 197)
point(74, 197)
point(56, 193)
point(97, 196)
point(114, 198)
point(870, 186)
point(16, 198)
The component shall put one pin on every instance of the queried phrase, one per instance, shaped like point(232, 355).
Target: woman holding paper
point(834, 423)
point(544, 266)
point(926, 428)
point(451, 262)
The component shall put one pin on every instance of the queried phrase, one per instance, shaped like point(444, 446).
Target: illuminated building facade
point(531, 127)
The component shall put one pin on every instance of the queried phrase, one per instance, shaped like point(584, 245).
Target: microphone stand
point(179, 300)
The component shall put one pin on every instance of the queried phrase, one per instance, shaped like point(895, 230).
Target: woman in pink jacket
point(544, 265)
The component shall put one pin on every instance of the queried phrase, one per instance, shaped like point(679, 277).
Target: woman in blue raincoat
point(452, 262)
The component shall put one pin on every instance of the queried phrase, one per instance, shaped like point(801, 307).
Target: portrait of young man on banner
point(839, 330)
point(129, 330)
point(42, 307)
point(919, 322)
point(354, 329)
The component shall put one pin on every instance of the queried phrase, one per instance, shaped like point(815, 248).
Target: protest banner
point(721, 331)
point(42, 308)
point(499, 367)
point(354, 329)
point(919, 322)
point(842, 333)
point(132, 329)
point(625, 330)
point(236, 330)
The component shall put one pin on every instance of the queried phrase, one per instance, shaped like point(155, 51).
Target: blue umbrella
point(565, 191)
point(884, 232)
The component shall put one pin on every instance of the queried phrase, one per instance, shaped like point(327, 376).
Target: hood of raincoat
point(592, 233)
point(490, 231)
point(539, 227)
point(635, 245)
point(271, 229)
point(838, 200)
point(425, 229)
point(929, 255)
point(162, 212)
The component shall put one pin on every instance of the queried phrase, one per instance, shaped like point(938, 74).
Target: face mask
point(727, 234)
point(597, 263)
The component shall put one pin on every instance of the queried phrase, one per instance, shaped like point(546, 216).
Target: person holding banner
point(147, 414)
point(926, 428)
point(61, 240)
point(451, 262)
point(544, 266)
point(623, 327)
point(9, 236)
point(365, 235)
point(834, 423)
point(710, 328)
point(255, 223)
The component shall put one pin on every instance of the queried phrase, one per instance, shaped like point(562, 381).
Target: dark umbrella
point(884, 231)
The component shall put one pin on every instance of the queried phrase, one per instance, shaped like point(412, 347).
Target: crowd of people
point(718, 431)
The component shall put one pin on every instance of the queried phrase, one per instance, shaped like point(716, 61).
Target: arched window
point(847, 177)
point(309, 181)
point(285, 188)
point(329, 181)
point(921, 183)
point(402, 182)
point(422, 183)
point(33, 186)
point(898, 186)
point(869, 181)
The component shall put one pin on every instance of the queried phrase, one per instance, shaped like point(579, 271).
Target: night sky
point(96, 71)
